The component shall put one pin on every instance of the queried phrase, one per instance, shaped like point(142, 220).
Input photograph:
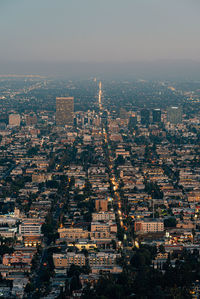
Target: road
point(7, 173)
point(113, 180)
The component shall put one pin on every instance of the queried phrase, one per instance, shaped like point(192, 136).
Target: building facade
point(14, 120)
point(174, 115)
point(156, 115)
point(64, 111)
point(145, 116)
point(67, 259)
point(149, 226)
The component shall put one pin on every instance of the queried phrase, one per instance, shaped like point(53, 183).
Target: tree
point(113, 243)
point(32, 151)
point(29, 288)
point(75, 283)
point(170, 222)
point(119, 161)
point(161, 249)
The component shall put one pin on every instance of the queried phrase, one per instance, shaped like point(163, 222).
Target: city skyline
point(99, 189)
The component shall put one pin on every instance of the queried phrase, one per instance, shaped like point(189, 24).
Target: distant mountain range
point(153, 70)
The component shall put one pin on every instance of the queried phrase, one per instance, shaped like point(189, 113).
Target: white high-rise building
point(14, 120)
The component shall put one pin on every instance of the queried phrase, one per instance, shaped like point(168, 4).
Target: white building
point(14, 120)
point(30, 227)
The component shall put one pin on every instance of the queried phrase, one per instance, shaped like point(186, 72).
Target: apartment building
point(67, 259)
point(149, 226)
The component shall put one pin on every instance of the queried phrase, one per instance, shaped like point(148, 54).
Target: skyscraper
point(14, 120)
point(174, 115)
point(156, 115)
point(145, 116)
point(64, 111)
point(123, 114)
point(132, 121)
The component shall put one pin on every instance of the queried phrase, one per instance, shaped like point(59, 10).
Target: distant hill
point(154, 70)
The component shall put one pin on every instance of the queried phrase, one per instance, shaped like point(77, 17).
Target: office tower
point(123, 114)
point(132, 122)
point(145, 117)
point(14, 120)
point(4, 118)
point(75, 122)
point(64, 111)
point(174, 115)
point(156, 115)
point(104, 117)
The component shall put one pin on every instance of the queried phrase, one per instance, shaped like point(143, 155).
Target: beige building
point(99, 226)
point(99, 259)
point(103, 259)
point(149, 226)
point(73, 233)
point(67, 259)
point(40, 177)
point(64, 111)
point(97, 235)
point(101, 205)
point(103, 216)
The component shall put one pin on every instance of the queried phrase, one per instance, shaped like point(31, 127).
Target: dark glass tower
point(145, 117)
point(156, 114)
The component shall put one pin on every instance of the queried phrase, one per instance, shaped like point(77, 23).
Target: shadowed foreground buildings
point(64, 111)
point(110, 198)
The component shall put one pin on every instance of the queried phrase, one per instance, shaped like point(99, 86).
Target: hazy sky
point(104, 30)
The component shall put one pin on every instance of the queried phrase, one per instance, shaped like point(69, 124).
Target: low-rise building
point(147, 225)
point(67, 259)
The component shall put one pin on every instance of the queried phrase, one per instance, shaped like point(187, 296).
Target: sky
point(99, 30)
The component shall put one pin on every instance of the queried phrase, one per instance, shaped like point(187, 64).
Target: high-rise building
point(156, 114)
point(174, 115)
point(132, 122)
point(104, 117)
point(14, 120)
point(64, 111)
point(123, 114)
point(4, 118)
point(145, 116)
